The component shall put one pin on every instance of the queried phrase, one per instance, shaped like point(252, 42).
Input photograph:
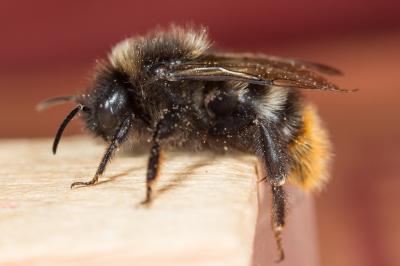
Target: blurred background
point(49, 47)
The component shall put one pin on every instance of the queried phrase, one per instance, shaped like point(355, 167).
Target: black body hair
point(170, 88)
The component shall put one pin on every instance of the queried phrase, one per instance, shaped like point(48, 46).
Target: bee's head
point(103, 107)
point(106, 104)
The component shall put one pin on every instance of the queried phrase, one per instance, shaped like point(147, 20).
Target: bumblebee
point(172, 88)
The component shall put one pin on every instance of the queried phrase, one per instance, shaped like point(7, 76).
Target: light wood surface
point(195, 212)
point(205, 211)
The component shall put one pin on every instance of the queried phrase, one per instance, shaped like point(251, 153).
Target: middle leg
point(164, 129)
point(153, 169)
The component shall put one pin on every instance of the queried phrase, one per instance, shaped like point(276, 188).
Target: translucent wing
point(276, 61)
point(253, 69)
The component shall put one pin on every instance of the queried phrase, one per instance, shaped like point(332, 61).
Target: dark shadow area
point(180, 177)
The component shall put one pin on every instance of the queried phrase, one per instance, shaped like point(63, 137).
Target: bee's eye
point(107, 118)
point(110, 111)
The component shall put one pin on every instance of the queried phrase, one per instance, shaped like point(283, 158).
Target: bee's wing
point(253, 69)
point(274, 61)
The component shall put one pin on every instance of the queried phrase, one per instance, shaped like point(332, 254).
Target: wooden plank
point(197, 211)
point(205, 212)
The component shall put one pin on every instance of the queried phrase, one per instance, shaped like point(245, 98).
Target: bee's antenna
point(54, 101)
point(63, 125)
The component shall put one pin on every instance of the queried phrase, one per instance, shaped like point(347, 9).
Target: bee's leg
point(278, 217)
point(164, 128)
point(153, 170)
point(272, 151)
point(118, 138)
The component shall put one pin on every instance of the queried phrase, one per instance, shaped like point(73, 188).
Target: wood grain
point(195, 212)
point(206, 210)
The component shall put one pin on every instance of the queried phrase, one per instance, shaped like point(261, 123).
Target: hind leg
point(278, 217)
point(272, 152)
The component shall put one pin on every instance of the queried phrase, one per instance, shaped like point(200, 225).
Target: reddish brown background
point(48, 47)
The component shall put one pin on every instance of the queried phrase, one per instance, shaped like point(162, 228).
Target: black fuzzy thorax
point(150, 99)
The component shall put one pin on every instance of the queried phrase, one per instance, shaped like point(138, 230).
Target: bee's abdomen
point(310, 152)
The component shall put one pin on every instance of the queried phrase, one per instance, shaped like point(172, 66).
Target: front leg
point(117, 140)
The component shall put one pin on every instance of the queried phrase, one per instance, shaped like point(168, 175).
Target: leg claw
point(146, 202)
point(83, 184)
